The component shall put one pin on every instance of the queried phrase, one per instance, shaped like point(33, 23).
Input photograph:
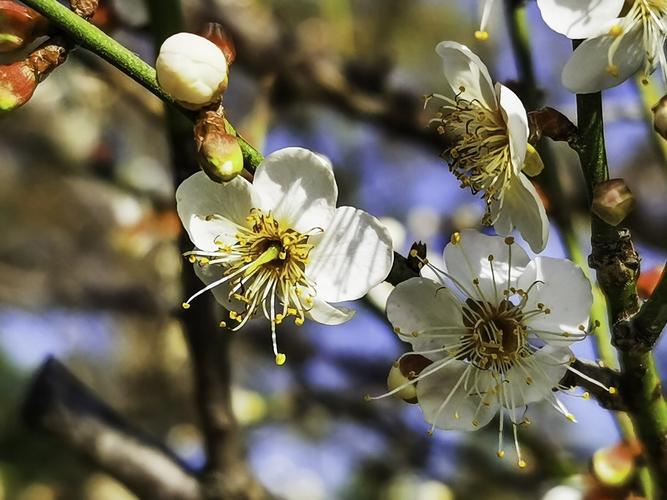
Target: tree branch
point(60, 404)
point(617, 266)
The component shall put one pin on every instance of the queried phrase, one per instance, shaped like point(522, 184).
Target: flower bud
point(612, 201)
point(19, 25)
point(614, 466)
point(402, 372)
point(17, 84)
point(19, 80)
point(192, 70)
point(660, 117)
point(218, 153)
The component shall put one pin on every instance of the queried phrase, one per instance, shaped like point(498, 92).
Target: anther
point(185, 305)
point(280, 359)
point(509, 240)
point(613, 70)
point(456, 237)
point(222, 324)
point(522, 463)
point(615, 30)
point(482, 36)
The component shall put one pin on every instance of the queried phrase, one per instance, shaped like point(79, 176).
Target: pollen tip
point(612, 69)
point(586, 395)
point(615, 30)
point(222, 324)
point(612, 390)
point(571, 418)
point(509, 240)
point(481, 35)
point(367, 397)
point(280, 359)
point(456, 238)
point(522, 463)
point(185, 305)
point(500, 454)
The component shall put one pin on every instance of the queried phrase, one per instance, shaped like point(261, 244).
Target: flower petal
point(198, 197)
point(564, 289)
point(587, 69)
point(463, 69)
point(533, 164)
point(469, 259)
point(353, 255)
point(449, 403)
point(328, 314)
point(298, 187)
point(523, 207)
point(517, 125)
point(211, 273)
point(578, 19)
point(533, 378)
point(420, 304)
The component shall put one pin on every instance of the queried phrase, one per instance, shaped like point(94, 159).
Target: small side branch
point(606, 376)
point(60, 404)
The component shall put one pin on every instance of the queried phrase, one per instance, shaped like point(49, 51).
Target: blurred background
point(89, 265)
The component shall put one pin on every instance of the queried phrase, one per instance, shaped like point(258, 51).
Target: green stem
point(92, 38)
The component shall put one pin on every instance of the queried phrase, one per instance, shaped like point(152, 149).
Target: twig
point(61, 405)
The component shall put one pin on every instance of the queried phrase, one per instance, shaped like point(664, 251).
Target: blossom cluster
point(491, 330)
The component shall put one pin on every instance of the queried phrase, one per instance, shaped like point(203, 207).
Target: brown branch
point(606, 376)
point(61, 405)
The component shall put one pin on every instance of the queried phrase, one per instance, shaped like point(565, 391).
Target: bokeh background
point(89, 266)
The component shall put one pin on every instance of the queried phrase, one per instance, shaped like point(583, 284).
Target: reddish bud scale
point(215, 33)
point(17, 84)
point(19, 26)
point(612, 201)
point(84, 8)
point(19, 80)
point(648, 280)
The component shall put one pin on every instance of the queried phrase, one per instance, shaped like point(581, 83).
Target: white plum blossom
point(279, 245)
point(192, 69)
point(496, 330)
point(485, 128)
point(623, 37)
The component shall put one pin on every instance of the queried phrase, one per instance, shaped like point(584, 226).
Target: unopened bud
point(612, 201)
point(19, 26)
point(615, 466)
point(403, 372)
point(192, 70)
point(17, 84)
point(660, 117)
point(551, 123)
point(19, 80)
point(215, 33)
point(218, 152)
